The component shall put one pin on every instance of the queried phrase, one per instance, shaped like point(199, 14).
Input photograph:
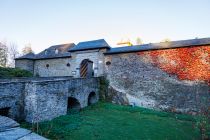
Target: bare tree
point(3, 55)
point(12, 54)
point(27, 49)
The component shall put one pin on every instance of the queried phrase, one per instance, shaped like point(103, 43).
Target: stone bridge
point(40, 99)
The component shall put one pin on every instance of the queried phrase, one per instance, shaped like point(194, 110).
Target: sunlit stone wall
point(53, 67)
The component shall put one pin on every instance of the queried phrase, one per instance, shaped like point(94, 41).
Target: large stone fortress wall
point(172, 79)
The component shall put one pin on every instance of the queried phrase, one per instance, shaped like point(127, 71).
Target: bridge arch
point(92, 98)
point(73, 103)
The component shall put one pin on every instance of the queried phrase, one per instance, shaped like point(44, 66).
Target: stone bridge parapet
point(46, 98)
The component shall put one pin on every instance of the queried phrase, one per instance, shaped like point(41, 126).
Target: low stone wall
point(45, 98)
point(135, 79)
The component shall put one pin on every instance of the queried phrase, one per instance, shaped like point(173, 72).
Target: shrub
point(14, 72)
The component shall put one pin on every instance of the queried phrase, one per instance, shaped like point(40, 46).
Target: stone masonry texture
point(144, 83)
point(176, 79)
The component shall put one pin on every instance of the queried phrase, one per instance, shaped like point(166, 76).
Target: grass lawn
point(106, 121)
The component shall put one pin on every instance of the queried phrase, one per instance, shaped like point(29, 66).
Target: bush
point(14, 72)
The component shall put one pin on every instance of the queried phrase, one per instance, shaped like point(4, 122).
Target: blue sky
point(43, 23)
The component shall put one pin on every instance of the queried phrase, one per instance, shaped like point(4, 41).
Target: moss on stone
point(103, 90)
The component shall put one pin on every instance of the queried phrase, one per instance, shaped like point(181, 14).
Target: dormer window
point(45, 52)
point(56, 51)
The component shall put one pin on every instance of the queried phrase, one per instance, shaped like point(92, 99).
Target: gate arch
point(92, 98)
point(86, 68)
point(73, 103)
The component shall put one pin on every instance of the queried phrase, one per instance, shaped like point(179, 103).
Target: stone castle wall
point(173, 79)
point(168, 79)
point(65, 66)
point(56, 67)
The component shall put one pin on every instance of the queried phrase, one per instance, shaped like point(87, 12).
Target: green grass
point(14, 72)
point(106, 121)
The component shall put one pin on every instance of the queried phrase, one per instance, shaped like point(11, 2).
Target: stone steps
point(10, 130)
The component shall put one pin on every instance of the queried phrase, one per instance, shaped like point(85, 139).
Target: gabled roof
point(159, 46)
point(56, 51)
point(62, 51)
point(90, 45)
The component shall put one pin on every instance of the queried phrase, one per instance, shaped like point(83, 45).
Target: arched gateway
point(86, 68)
point(73, 103)
point(92, 98)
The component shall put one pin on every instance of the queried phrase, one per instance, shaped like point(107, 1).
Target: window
point(108, 63)
point(47, 65)
point(68, 64)
point(56, 51)
point(45, 52)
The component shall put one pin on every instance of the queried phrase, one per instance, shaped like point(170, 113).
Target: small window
point(45, 52)
point(68, 64)
point(108, 63)
point(47, 65)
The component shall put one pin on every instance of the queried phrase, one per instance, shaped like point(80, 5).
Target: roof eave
point(42, 58)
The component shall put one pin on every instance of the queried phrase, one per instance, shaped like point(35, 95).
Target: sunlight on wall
point(187, 63)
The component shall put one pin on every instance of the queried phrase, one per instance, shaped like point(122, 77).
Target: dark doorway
point(4, 111)
point(73, 104)
point(92, 99)
point(86, 68)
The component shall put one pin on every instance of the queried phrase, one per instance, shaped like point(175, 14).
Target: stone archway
point(92, 98)
point(86, 68)
point(73, 104)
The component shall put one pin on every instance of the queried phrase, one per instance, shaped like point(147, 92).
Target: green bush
point(14, 72)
